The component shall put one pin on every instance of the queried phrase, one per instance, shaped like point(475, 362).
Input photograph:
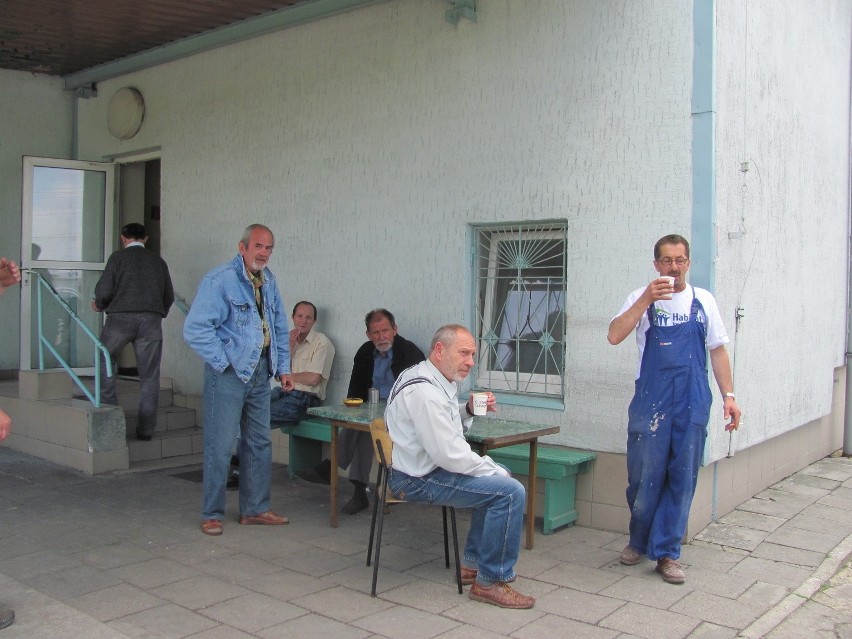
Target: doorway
point(139, 201)
point(69, 230)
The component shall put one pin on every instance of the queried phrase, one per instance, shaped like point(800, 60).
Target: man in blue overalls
point(675, 326)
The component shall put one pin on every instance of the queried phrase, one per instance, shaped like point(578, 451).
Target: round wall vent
point(126, 112)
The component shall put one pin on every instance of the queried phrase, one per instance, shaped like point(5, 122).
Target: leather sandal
point(211, 527)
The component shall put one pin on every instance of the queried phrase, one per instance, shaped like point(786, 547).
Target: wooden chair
point(383, 448)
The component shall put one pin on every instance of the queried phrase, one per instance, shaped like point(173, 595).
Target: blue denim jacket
point(224, 327)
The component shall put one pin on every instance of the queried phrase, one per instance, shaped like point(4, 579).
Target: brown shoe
point(630, 557)
point(670, 570)
point(500, 594)
point(268, 518)
point(211, 527)
point(7, 617)
point(468, 575)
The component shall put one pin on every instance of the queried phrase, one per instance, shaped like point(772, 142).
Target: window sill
point(550, 403)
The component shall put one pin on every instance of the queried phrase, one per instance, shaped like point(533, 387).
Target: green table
point(485, 434)
point(352, 417)
point(489, 432)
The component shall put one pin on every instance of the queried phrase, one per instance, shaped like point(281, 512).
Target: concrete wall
point(37, 117)
point(783, 225)
point(369, 141)
point(724, 484)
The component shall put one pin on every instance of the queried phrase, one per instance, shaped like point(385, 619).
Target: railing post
point(42, 342)
point(40, 322)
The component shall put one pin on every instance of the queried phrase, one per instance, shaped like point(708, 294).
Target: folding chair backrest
point(381, 441)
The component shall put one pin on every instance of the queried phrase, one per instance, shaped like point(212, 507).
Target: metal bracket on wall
point(86, 92)
point(461, 9)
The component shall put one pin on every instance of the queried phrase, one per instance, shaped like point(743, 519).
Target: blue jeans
point(292, 407)
point(494, 539)
point(236, 410)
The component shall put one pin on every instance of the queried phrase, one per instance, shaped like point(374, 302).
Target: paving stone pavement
point(121, 556)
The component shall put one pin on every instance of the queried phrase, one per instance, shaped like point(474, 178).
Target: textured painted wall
point(36, 120)
point(369, 141)
point(782, 226)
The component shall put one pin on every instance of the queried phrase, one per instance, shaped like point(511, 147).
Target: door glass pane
point(60, 330)
point(68, 215)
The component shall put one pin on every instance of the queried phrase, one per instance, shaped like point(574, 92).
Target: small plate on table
point(353, 401)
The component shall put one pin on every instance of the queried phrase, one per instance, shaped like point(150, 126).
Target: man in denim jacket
point(238, 326)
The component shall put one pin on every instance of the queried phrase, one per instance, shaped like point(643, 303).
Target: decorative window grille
point(520, 280)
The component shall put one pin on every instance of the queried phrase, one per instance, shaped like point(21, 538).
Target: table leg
point(333, 477)
point(533, 473)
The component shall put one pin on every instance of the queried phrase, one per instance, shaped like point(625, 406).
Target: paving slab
point(804, 539)
point(788, 554)
point(578, 605)
point(554, 626)
point(650, 622)
point(132, 563)
point(755, 521)
point(780, 573)
point(406, 623)
point(580, 577)
point(731, 536)
point(717, 610)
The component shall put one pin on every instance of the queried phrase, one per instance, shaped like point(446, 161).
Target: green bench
point(306, 439)
point(558, 467)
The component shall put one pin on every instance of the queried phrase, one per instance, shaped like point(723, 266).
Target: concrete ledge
point(69, 432)
point(52, 384)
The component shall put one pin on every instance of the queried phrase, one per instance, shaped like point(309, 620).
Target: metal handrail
point(43, 284)
point(181, 305)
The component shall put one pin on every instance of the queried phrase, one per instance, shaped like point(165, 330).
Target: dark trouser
point(355, 452)
point(145, 331)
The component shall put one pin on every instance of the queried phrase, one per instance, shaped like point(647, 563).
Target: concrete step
point(165, 444)
point(168, 418)
point(128, 392)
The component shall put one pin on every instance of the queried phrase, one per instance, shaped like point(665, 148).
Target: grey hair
point(252, 227)
point(447, 334)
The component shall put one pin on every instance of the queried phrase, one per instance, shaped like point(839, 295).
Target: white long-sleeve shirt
point(427, 423)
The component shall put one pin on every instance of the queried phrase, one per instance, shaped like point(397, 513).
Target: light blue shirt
point(383, 377)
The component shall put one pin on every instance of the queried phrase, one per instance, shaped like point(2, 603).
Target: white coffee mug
point(480, 403)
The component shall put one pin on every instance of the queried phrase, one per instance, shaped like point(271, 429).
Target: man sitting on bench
point(311, 355)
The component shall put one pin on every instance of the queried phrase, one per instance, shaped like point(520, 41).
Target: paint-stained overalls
point(665, 433)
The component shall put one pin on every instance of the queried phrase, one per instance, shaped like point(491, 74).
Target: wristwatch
point(731, 395)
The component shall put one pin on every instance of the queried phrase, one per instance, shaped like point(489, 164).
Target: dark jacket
point(135, 280)
point(405, 354)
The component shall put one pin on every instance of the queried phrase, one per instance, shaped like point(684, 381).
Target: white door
point(66, 236)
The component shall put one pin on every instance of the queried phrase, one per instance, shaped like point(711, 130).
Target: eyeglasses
point(667, 261)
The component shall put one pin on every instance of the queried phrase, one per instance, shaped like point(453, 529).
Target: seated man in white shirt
point(433, 463)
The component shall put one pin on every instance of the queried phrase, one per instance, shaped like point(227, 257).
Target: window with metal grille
point(519, 281)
